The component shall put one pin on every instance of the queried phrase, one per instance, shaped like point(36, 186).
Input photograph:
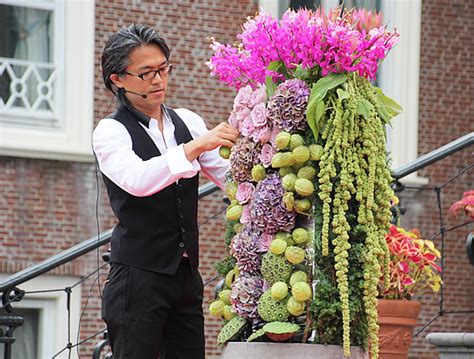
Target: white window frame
point(74, 58)
point(398, 77)
point(52, 336)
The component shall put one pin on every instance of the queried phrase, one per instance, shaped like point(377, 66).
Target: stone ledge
point(451, 339)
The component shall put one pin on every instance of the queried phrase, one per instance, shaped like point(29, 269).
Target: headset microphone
point(136, 93)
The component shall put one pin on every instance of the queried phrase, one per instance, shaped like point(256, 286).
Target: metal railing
point(11, 293)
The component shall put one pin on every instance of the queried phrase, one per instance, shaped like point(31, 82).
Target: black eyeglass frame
point(168, 67)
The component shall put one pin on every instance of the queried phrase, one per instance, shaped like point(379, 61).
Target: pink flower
point(238, 116)
point(245, 218)
point(247, 127)
point(259, 95)
point(261, 134)
point(466, 203)
point(266, 154)
point(244, 192)
point(259, 115)
point(244, 98)
point(264, 242)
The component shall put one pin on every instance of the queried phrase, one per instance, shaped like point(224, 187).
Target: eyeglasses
point(149, 75)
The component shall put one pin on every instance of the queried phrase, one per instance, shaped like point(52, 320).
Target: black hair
point(115, 56)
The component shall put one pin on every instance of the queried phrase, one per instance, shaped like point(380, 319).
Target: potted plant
point(413, 270)
point(309, 183)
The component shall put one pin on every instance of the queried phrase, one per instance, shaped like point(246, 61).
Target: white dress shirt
point(113, 147)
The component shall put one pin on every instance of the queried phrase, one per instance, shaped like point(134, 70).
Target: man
point(150, 156)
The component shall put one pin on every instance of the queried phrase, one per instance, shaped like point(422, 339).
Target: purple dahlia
point(287, 108)
point(245, 154)
point(266, 210)
point(245, 293)
point(244, 248)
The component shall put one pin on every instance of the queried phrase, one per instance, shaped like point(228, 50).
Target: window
point(46, 78)
point(398, 76)
point(44, 330)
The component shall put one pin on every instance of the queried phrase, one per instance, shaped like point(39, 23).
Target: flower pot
point(397, 318)
point(239, 350)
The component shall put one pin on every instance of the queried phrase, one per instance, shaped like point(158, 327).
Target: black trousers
point(151, 315)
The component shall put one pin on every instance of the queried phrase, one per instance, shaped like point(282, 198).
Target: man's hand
point(221, 135)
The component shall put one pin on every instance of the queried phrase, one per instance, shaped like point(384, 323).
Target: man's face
point(144, 60)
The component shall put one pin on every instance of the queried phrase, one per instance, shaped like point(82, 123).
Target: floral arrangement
point(309, 182)
point(412, 264)
point(466, 204)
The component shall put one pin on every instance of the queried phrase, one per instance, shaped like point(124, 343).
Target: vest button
point(181, 244)
point(183, 230)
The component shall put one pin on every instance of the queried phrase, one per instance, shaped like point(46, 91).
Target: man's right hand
point(221, 135)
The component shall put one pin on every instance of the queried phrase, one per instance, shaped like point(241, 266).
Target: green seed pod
point(301, 154)
point(258, 173)
point(278, 246)
point(301, 291)
point(287, 159)
point(231, 190)
point(300, 235)
point(295, 307)
point(286, 237)
point(304, 187)
point(234, 213)
point(316, 151)
point(302, 205)
point(295, 141)
point(277, 160)
point(288, 201)
point(217, 308)
point(228, 312)
point(230, 277)
point(279, 290)
point(298, 276)
point(288, 182)
point(224, 295)
point(307, 172)
point(285, 171)
point(282, 140)
point(294, 254)
point(224, 152)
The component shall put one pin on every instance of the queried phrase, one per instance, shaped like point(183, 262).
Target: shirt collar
point(140, 116)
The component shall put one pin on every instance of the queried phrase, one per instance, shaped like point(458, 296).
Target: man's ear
point(115, 78)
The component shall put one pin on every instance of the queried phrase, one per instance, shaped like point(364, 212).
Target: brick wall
point(446, 113)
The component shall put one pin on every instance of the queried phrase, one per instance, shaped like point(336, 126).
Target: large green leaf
point(364, 107)
point(270, 86)
point(388, 108)
point(314, 115)
point(324, 84)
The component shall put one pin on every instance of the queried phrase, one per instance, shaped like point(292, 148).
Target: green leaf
point(256, 334)
point(364, 107)
point(300, 73)
point(270, 86)
point(389, 108)
point(342, 94)
point(324, 84)
point(314, 114)
point(274, 66)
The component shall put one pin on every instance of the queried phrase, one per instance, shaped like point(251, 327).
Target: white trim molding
point(74, 60)
point(399, 79)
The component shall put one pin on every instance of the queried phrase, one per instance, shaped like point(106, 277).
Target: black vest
point(153, 232)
